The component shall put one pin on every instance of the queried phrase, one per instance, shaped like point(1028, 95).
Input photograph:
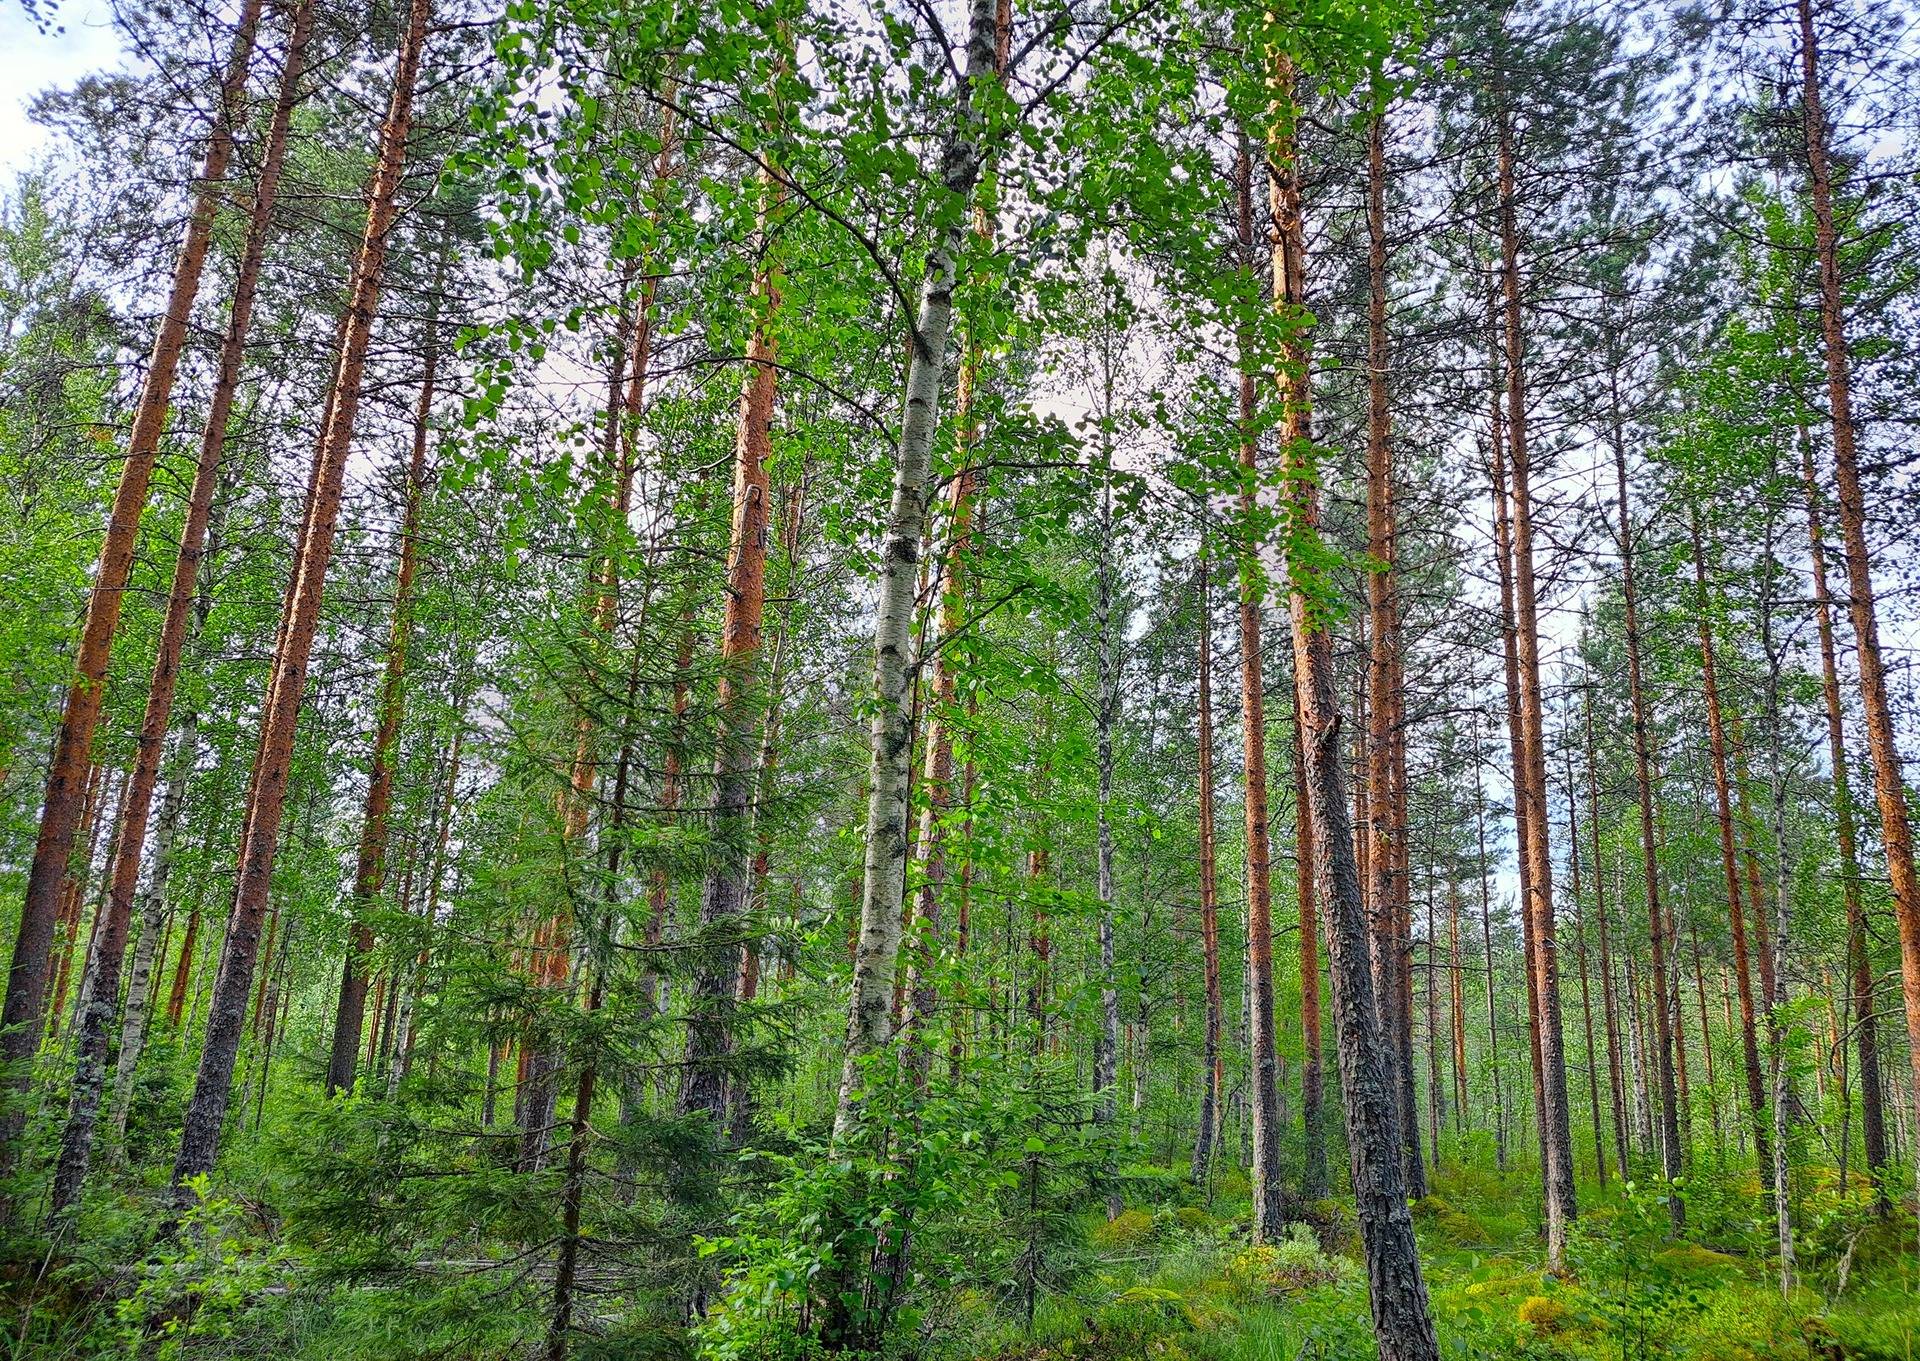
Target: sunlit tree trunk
point(713, 996)
point(1896, 833)
point(1866, 1032)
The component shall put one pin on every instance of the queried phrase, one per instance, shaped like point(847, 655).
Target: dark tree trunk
point(1397, 1292)
point(1213, 1063)
point(1896, 832)
point(1313, 1177)
point(1866, 1033)
point(1608, 1000)
point(713, 998)
point(1669, 1114)
point(1263, 1058)
point(1723, 807)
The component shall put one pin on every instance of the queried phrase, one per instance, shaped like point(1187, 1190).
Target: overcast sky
point(30, 61)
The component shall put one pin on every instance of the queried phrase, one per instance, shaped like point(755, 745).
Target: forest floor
point(1173, 1278)
point(1180, 1283)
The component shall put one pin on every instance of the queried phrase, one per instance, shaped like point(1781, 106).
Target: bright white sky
point(30, 61)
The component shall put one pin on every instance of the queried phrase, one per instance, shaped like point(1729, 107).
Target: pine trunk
point(1669, 1118)
point(20, 1017)
point(1263, 1055)
point(1212, 1076)
point(1896, 832)
point(1608, 999)
point(370, 873)
point(1313, 1177)
point(1397, 1291)
point(713, 991)
point(1723, 808)
point(207, 1108)
point(1537, 918)
point(1866, 1034)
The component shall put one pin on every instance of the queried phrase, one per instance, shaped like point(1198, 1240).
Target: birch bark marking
point(207, 1108)
point(877, 951)
point(945, 706)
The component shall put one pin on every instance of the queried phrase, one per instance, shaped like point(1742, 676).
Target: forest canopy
point(1136, 680)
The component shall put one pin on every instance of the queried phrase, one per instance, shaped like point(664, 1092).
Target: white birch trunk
point(869, 1010)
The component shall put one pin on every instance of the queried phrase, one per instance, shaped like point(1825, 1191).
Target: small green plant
point(204, 1282)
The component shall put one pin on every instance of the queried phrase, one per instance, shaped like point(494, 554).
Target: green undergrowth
point(1173, 1277)
point(1185, 1284)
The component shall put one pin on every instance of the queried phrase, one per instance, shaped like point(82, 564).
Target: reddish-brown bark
point(1873, 1121)
point(1616, 1075)
point(1516, 754)
point(1397, 1294)
point(60, 816)
point(1663, 1059)
point(1537, 917)
point(207, 1108)
point(1896, 832)
point(1723, 808)
point(91, 1042)
point(713, 991)
point(370, 871)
